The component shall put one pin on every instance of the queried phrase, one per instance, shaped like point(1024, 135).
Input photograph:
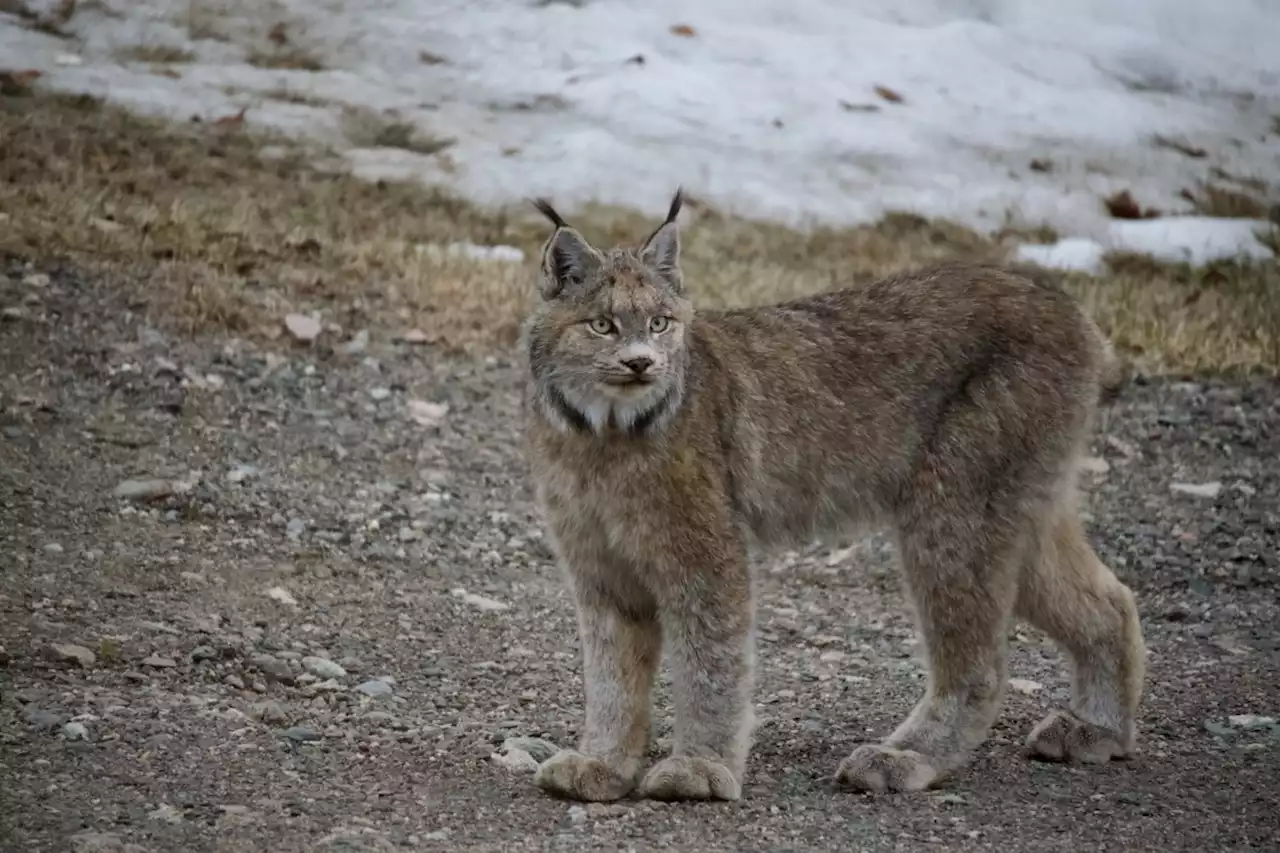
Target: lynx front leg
point(707, 625)
point(620, 656)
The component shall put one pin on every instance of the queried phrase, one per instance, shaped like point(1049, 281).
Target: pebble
point(426, 413)
point(42, 720)
point(515, 760)
point(240, 473)
point(200, 653)
point(166, 813)
point(274, 669)
point(374, 687)
point(379, 393)
point(1250, 721)
point(75, 731)
point(71, 653)
point(1025, 685)
point(270, 712)
point(303, 328)
point(1095, 465)
point(145, 490)
point(323, 667)
point(414, 336)
point(159, 661)
point(479, 601)
point(233, 680)
point(300, 734)
point(538, 748)
point(282, 595)
point(295, 528)
point(53, 548)
point(1199, 490)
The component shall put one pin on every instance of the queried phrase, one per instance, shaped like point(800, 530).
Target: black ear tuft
point(544, 207)
point(677, 201)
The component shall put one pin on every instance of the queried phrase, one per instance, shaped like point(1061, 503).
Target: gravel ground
point(327, 605)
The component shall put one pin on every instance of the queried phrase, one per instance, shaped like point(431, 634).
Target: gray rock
point(270, 712)
point(159, 662)
point(72, 653)
point(295, 528)
point(75, 731)
point(537, 748)
point(374, 687)
point(323, 667)
point(273, 669)
point(53, 548)
point(41, 719)
point(200, 653)
point(145, 490)
point(300, 734)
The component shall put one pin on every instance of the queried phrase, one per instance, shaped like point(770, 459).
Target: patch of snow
point(1074, 254)
point(1196, 240)
point(757, 107)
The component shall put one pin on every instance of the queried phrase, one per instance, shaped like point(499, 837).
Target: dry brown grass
point(208, 232)
point(159, 54)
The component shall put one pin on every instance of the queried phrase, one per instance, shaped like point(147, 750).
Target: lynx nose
point(638, 364)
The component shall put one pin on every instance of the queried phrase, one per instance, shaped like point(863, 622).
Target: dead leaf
point(684, 31)
point(15, 83)
point(1039, 165)
point(888, 94)
point(232, 120)
point(1122, 205)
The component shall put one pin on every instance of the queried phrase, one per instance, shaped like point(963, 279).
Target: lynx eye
point(601, 326)
point(658, 325)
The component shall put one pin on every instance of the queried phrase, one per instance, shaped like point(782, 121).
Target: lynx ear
point(661, 251)
point(567, 258)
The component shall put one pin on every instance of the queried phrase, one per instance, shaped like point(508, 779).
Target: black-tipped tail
point(544, 207)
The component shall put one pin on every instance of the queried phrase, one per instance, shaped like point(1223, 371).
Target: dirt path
point(328, 516)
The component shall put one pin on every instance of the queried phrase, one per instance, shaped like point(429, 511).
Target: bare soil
point(322, 511)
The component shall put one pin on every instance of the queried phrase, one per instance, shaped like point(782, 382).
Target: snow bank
point(1196, 240)
point(1010, 111)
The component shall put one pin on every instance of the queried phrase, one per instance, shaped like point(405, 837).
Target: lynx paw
point(1062, 736)
point(879, 768)
point(579, 777)
point(684, 778)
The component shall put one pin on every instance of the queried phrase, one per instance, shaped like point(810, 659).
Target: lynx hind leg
point(1068, 593)
point(960, 567)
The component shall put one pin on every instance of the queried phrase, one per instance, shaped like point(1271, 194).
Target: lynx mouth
point(625, 382)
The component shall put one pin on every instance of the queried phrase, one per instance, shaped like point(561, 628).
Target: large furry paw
point(684, 778)
point(1062, 736)
point(579, 777)
point(879, 768)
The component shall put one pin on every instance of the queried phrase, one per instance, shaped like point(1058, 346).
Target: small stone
point(374, 687)
point(233, 680)
point(277, 670)
point(42, 720)
point(270, 712)
point(538, 748)
point(295, 528)
point(1199, 490)
point(159, 662)
point(1025, 685)
point(480, 602)
point(950, 799)
point(200, 653)
point(1095, 465)
point(145, 490)
point(282, 595)
point(833, 656)
point(1214, 727)
point(577, 815)
point(166, 814)
point(515, 760)
point(37, 280)
point(356, 345)
point(303, 328)
point(53, 548)
point(71, 653)
point(426, 413)
point(240, 473)
point(379, 394)
point(300, 734)
point(323, 668)
point(1250, 721)
point(70, 60)
point(416, 337)
point(75, 731)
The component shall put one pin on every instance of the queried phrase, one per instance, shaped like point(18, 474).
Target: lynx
point(948, 408)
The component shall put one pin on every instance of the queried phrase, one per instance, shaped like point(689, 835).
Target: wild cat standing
point(948, 407)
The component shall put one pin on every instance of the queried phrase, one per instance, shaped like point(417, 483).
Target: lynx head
point(607, 339)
